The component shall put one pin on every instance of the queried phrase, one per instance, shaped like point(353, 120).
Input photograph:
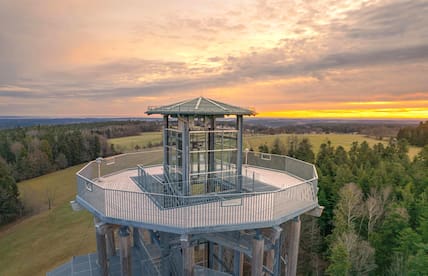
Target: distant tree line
point(375, 220)
point(417, 136)
point(33, 151)
point(376, 130)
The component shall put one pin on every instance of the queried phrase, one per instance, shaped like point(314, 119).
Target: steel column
point(239, 127)
point(165, 143)
point(186, 155)
point(238, 263)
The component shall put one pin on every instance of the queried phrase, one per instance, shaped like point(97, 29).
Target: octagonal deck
point(264, 179)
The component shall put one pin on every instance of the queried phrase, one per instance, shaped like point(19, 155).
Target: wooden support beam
point(125, 251)
point(100, 238)
point(292, 246)
point(188, 255)
point(257, 255)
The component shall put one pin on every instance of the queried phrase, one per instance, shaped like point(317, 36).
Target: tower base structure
point(147, 252)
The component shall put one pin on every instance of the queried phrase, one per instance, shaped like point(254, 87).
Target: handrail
point(315, 177)
point(218, 195)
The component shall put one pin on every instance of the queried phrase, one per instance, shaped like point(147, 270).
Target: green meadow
point(47, 238)
point(127, 144)
point(344, 140)
point(145, 140)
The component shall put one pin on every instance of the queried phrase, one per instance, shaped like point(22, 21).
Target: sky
point(292, 59)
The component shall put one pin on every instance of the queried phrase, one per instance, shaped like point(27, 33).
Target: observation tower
point(202, 205)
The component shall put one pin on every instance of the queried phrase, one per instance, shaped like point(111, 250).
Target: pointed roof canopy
point(200, 106)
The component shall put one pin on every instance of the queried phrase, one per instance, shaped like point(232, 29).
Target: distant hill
point(18, 121)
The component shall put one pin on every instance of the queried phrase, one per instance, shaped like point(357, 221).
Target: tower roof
point(200, 106)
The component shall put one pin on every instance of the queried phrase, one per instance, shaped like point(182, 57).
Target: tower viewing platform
point(201, 205)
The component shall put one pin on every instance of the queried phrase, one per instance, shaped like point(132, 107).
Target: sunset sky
point(293, 59)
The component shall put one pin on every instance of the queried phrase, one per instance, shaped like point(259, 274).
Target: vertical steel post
point(165, 146)
point(211, 154)
point(238, 263)
point(136, 236)
point(211, 255)
point(239, 127)
point(220, 257)
point(186, 155)
point(277, 251)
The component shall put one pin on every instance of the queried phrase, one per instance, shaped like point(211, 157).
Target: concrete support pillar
point(238, 263)
point(136, 237)
point(101, 246)
point(125, 251)
point(188, 255)
point(292, 246)
point(257, 255)
point(111, 245)
point(165, 268)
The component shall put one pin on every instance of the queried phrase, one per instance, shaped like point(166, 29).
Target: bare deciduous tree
point(349, 208)
point(375, 206)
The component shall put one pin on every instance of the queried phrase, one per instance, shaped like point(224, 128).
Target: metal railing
point(198, 211)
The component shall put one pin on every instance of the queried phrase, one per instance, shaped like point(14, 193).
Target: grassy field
point(48, 238)
point(128, 144)
point(344, 140)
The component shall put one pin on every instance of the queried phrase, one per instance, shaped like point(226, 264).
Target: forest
point(417, 136)
point(375, 220)
point(34, 151)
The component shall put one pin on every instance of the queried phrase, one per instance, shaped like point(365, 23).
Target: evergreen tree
point(10, 205)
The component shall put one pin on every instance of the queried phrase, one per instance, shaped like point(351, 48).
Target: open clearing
point(39, 243)
point(144, 140)
point(344, 140)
